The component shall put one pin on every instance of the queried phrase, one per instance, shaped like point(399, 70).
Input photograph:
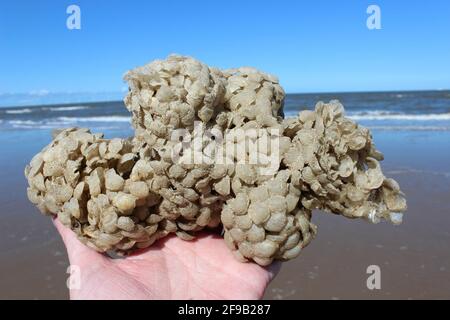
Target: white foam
point(19, 111)
point(66, 121)
point(22, 126)
point(410, 128)
point(383, 115)
point(372, 113)
point(95, 119)
point(388, 115)
point(24, 122)
point(53, 126)
point(71, 108)
point(37, 124)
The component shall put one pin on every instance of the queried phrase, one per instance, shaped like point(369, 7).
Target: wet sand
point(414, 258)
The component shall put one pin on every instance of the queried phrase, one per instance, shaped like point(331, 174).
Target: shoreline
point(292, 94)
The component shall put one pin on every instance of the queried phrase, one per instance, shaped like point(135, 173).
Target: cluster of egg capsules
point(212, 148)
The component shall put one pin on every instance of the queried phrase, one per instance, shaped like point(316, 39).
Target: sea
point(379, 111)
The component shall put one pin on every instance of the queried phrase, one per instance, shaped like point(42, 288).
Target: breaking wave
point(71, 108)
point(387, 115)
point(19, 111)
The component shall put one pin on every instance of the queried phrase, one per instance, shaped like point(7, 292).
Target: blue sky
point(313, 46)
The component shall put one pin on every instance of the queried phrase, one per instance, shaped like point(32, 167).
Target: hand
point(170, 269)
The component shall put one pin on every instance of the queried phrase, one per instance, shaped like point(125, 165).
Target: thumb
point(78, 253)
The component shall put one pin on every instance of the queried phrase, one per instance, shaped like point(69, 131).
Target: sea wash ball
point(211, 148)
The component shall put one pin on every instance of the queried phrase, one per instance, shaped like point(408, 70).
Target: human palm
point(171, 269)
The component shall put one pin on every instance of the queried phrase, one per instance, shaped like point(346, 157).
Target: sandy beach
point(413, 258)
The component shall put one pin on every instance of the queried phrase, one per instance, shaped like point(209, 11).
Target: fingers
point(78, 253)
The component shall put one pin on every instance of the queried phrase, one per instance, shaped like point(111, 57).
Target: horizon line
point(120, 100)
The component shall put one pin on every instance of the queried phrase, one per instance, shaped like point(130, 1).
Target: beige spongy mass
point(212, 148)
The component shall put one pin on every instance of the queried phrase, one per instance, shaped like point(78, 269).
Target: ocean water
point(387, 111)
point(379, 111)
